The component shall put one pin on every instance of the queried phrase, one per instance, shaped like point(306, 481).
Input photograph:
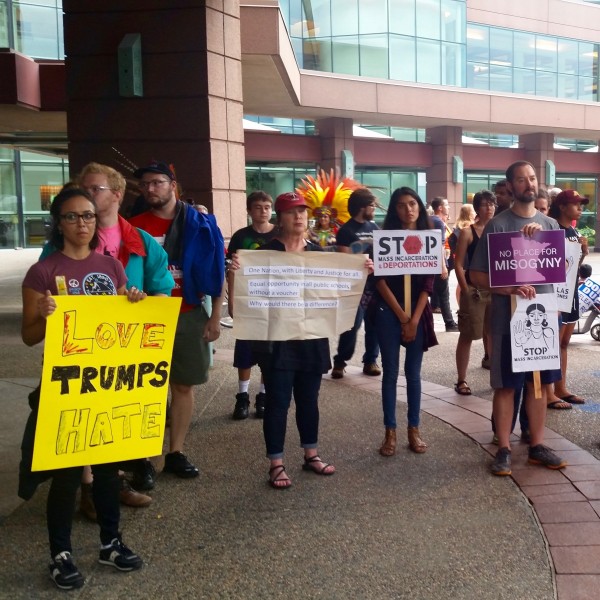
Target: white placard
point(566, 291)
point(534, 334)
point(408, 252)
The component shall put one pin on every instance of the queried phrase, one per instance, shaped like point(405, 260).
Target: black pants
point(61, 504)
point(441, 298)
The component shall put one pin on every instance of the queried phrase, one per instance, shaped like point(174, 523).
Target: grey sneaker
point(502, 462)
point(541, 455)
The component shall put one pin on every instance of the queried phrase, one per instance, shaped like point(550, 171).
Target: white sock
point(243, 386)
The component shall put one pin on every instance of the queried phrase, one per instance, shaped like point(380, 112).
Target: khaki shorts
point(191, 354)
point(471, 312)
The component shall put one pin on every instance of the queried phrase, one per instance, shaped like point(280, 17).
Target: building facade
point(440, 95)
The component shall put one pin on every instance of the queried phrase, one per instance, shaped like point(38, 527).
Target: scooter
point(591, 322)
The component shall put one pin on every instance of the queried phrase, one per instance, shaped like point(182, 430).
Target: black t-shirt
point(353, 231)
point(248, 238)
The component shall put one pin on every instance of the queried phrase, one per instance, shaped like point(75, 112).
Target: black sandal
point(274, 477)
point(310, 466)
point(462, 389)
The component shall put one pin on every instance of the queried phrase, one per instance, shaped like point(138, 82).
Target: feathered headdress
point(328, 194)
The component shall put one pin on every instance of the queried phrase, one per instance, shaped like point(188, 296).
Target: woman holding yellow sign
point(75, 269)
point(406, 322)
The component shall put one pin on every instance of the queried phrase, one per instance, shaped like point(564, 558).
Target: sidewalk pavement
point(434, 526)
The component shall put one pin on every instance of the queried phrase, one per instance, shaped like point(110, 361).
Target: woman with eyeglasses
point(75, 269)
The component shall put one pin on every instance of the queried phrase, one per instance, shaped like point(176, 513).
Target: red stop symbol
point(412, 244)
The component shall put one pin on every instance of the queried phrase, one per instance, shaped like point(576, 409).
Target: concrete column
point(190, 113)
point(539, 147)
point(336, 135)
point(446, 142)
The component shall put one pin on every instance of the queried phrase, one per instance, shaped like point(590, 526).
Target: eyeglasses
point(73, 217)
point(154, 183)
point(94, 189)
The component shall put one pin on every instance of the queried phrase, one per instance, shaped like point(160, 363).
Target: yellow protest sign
point(104, 380)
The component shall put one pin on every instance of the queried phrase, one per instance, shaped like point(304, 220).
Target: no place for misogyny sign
point(516, 259)
point(407, 252)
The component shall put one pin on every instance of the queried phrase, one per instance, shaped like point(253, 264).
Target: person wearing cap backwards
point(294, 366)
point(196, 251)
point(566, 208)
point(521, 216)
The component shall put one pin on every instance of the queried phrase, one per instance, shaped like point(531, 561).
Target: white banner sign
point(408, 252)
point(296, 295)
point(534, 334)
point(566, 291)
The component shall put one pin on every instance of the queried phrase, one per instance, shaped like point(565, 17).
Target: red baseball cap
point(570, 197)
point(289, 200)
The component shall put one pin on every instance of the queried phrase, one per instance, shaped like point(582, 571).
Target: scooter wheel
point(595, 332)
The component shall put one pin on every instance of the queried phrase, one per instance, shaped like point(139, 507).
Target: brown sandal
point(388, 446)
point(415, 443)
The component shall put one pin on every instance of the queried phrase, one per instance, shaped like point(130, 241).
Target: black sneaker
point(260, 405)
point(452, 326)
point(178, 464)
point(338, 371)
point(120, 557)
point(242, 404)
point(143, 476)
point(501, 464)
point(541, 455)
point(64, 573)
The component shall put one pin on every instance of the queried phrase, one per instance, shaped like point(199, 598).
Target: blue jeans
point(279, 386)
point(347, 342)
point(389, 334)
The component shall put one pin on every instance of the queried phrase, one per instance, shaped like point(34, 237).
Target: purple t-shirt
point(96, 275)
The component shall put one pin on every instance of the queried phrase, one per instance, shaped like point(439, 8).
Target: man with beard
point(196, 252)
point(522, 216)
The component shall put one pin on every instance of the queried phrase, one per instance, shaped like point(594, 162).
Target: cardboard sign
point(408, 252)
point(296, 295)
point(516, 259)
point(534, 334)
point(104, 380)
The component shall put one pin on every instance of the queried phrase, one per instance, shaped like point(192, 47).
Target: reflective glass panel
point(317, 18)
point(501, 47)
point(588, 89)
point(374, 56)
point(545, 84)
point(568, 86)
point(568, 52)
point(345, 55)
point(524, 81)
point(588, 59)
point(453, 21)
point(478, 76)
point(36, 30)
point(501, 79)
point(428, 61)
point(452, 64)
point(3, 24)
point(403, 62)
point(317, 54)
point(373, 16)
point(402, 16)
point(546, 53)
point(345, 21)
point(428, 19)
point(524, 50)
point(478, 45)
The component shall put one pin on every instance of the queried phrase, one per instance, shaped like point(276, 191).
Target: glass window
point(402, 16)
point(501, 79)
point(428, 61)
point(428, 19)
point(6, 154)
point(588, 59)
point(373, 16)
point(501, 47)
point(475, 182)
point(453, 60)
point(478, 76)
point(317, 54)
point(567, 86)
point(36, 30)
point(403, 62)
point(374, 56)
point(524, 81)
point(478, 44)
point(545, 84)
point(317, 18)
point(345, 55)
point(345, 21)
point(3, 24)
point(568, 52)
point(588, 89)
point(524, 50)
point(546, 53)
point(453, 21)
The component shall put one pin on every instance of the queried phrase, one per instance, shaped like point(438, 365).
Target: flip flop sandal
point(310, 466)
point(276, 474)
point(573, 399)
point(555, 405)
point(462, 389)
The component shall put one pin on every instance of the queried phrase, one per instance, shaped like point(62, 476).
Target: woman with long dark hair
point(395, 327)
point(74, 269)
